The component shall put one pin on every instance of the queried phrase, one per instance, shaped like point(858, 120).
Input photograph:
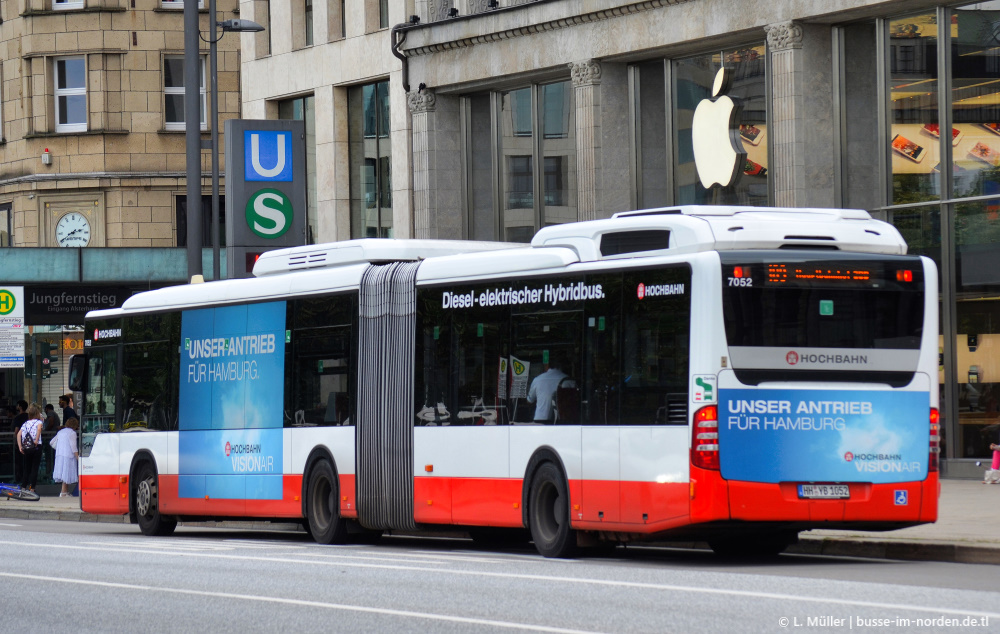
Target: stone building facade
point(500, 117)
point(92, 120)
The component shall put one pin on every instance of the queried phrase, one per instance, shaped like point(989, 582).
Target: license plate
point(824, 491)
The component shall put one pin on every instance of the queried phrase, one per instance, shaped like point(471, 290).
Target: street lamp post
point(192, 89)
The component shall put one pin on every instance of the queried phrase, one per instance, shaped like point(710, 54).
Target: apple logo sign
point(718, 151)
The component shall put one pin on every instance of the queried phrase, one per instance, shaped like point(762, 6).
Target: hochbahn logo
point(104, 334)
point(882, 462)
point(792, 358)
point(643, 291)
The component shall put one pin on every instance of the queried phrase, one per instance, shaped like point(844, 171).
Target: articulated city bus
point(722, 374)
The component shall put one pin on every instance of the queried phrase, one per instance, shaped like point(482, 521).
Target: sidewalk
point(967, 530)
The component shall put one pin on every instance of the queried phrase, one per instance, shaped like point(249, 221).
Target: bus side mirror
point(77, 370)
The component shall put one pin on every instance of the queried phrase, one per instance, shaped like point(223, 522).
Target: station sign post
point(265, 189)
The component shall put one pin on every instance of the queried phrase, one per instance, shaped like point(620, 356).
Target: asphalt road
point(89, 577)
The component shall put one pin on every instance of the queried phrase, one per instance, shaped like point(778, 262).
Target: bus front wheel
point(548, 513)
point(146, 502)
point(325, 523)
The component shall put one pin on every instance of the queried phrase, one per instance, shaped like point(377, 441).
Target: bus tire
point(146, 502)
point(548, 513)
point(325, 524)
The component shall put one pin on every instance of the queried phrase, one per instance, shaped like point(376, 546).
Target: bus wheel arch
point(546, 508)
point(320, 499)
point(144, 497)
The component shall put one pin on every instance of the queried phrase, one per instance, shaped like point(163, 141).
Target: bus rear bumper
point(900, 502)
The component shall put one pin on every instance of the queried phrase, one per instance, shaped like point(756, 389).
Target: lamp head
point(240, 26)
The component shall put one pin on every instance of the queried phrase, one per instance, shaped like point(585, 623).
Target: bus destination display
point(869, 275)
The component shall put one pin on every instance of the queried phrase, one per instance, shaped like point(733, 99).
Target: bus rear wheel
point(323, 510)
point(548, 513)
point(146, 502)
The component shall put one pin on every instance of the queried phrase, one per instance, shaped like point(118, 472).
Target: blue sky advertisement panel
point(823, 435)
point(231, 398)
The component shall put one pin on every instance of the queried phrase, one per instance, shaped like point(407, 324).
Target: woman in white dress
point(67, 452)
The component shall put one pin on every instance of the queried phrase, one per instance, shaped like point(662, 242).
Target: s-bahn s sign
point(265, 189)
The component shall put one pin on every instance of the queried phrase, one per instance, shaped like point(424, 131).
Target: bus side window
point(655, 346)
point(602, 353)
point(320, 362)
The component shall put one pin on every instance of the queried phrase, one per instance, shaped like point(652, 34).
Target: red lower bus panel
point(709, 495)
point(652, 502)
point(99, 494)
point(432, 500)
point(348, 495)
point(486, 501)
point(929, 498)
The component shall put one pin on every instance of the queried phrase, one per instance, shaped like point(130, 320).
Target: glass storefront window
point(371, 160)
point(651, 135)
point(482, 222)
point(537, 144)
point(559, 153)
point(693, 78)
point(975, 99)
point(913, 114)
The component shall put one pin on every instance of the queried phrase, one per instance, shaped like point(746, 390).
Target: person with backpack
point(29, 442)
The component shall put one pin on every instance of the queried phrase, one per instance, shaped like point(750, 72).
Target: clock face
point(73, 230)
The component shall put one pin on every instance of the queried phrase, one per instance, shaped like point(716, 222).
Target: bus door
point(653, 400)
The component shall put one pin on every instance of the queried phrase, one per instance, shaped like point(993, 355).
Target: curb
point(946, 552)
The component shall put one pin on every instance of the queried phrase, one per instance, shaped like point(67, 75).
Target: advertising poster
point(823, 435)
point(12, 327)
point(231, 400)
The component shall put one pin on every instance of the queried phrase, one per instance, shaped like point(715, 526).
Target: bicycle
point(14, 492)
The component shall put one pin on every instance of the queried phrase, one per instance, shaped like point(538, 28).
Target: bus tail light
point(705, 438)
point(932, 459)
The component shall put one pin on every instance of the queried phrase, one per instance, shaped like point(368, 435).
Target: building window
point(535, 140)
point(664, 152)
point(173, 92)
point(383, 13)
point(178, 4)
point(71, 94)
point(371, 160)
point(60, 5)
point(304, 109)
point(180, 211)
point(309, 22)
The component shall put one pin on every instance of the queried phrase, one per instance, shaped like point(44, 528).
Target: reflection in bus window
point(655, 346)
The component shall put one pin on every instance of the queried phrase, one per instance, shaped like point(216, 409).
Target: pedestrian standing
point(19, 419)
point(66, 403)
point(29, 443)
point(49, 429)
point(67, 454)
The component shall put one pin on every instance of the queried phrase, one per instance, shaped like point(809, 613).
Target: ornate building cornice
point(551, 25)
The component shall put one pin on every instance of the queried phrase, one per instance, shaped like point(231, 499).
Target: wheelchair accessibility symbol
point(267, 156)
point(901, 498)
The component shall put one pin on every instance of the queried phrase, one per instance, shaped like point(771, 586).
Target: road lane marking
point(546, 578)
point(303, 603)
point(14, 525)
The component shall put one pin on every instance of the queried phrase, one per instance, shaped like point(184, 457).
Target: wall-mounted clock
point(73, 230)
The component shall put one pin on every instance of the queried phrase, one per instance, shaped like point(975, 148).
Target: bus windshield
point(788, 311)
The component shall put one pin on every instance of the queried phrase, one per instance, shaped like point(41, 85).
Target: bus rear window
point(848, 317)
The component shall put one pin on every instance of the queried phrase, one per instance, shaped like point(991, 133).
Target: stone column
point(802, 158)
point(587, 86)
point(437, 168)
